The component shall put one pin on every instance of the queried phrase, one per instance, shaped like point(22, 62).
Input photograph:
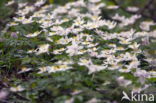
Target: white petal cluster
point(78, 32)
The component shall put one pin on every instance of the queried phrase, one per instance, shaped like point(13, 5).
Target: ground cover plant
point(83, 51)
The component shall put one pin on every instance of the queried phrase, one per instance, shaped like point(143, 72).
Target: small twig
point(146, 6)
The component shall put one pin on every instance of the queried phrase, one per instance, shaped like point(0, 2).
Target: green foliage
point(76, 83)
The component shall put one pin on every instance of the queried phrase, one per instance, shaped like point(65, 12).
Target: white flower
point(71, 100)
point(112, 7)
point(109, 24)
point(115, 66)
point(25, 10)
point(152, 74)
point(134, 46)
point(111, 59)
point(95, 18)
point(74, 49)
point(59, 51)
point(39, 3)
point(152, 34)
point(120, 48)
point(42, 70)
point(60, 10)
point(125, 41)
point(10, 3)
point(24, 20)
point(126, 21)
point(127, 57)
point(3, 94)
point(76, 92)
point(123, 82)
point(125, 70)
point(17, 89)
point(146, 25)
point(139, 89)
point(46, 23)
point(49, 39)
point(99, 23)
point(132, 8)
point(93, 100)
point(91, 67)
point(107, 53)
point(63, 41)
point(129, 21)
point(140, 34)
point(112, 45)
point(83, 61)
point(74, 12)
point(44, 48)
point(78, 22)
point(93, 54)
point(57, 68)
point(51, 33)
point(133, 64)
point(24, 69)
point(60, 30)
point(127, 34)
point(95, 68)
point(92, 25)
point(67, 62)
point(142, 74)
point(33, 34)
point(20, 5)
point(12, 24)
point(94, 1)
